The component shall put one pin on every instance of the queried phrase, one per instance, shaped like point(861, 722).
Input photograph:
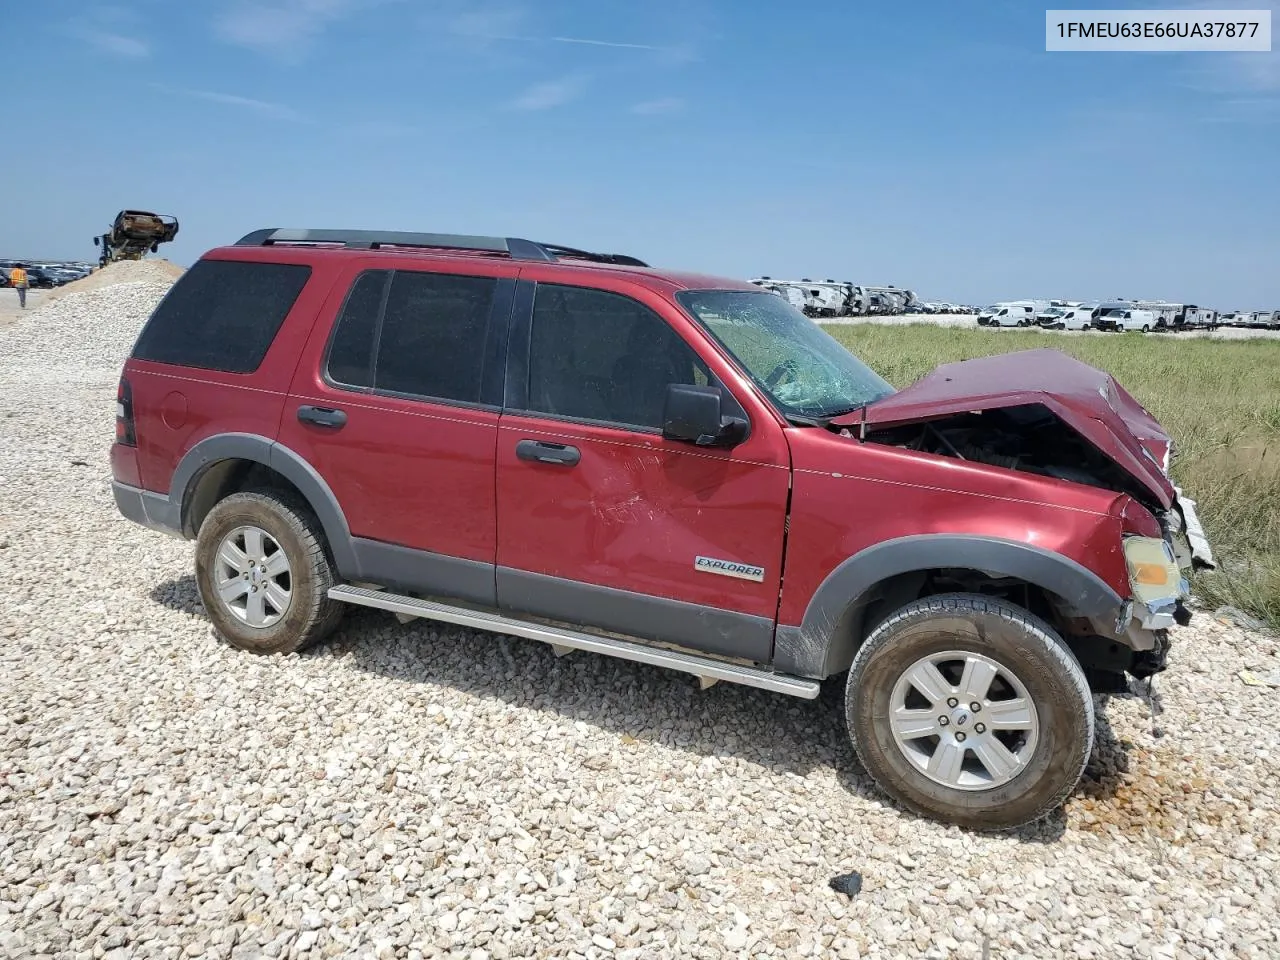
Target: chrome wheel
point(253, 577)
point(964, 720)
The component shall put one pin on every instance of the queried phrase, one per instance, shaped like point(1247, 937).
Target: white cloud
point(604, 43)
point(265, 108)
point(659, 106)
point(488, 23)
point(553, 93)
point(1238, 73)
point(284, 29)
point(116, 44)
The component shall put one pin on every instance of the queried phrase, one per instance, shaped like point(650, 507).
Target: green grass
point(1220, 400)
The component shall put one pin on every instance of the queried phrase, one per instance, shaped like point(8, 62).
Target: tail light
point(124, 415)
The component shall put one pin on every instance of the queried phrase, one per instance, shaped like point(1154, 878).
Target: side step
point(706, 669)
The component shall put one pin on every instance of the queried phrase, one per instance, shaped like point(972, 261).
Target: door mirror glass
point(692, 414)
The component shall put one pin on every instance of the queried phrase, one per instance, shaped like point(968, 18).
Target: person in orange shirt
point(18, 280)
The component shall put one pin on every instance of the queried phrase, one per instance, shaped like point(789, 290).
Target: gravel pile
point(156, 270)
point(424, 791)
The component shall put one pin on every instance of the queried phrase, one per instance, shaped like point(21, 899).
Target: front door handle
point(322, 416)
point(540, 452)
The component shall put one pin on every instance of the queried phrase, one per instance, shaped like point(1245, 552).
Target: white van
point(1067, 318)
point(1125, 319)
point(1007, 315)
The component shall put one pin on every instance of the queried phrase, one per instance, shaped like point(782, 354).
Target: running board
point(706, 669)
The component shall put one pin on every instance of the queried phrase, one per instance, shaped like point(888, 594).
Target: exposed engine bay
point(1028, 438)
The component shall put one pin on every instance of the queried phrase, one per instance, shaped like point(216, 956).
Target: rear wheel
point(1146, 328)
point(970, 710)
point(263, 574)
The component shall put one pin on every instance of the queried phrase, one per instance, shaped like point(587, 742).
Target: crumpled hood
point(1084, 397)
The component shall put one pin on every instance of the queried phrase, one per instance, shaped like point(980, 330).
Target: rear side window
point(222, 315)
point(351, 352)
point(425, 334)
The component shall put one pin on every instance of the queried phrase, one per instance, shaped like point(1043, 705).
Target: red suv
point(669, 468)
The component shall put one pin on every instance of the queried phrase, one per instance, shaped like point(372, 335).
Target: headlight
point(1155, 579)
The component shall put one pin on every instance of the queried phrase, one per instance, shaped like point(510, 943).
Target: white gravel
point(422, 791)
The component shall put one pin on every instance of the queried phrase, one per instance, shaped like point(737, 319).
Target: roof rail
point(513, 247)
point(618, 259)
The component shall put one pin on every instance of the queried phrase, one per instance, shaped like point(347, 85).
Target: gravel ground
point(11, 310)
point(424, 791)
point(971, 320)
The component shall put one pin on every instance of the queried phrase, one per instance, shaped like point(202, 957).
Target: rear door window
point(350, 360)
point(222, 315)
point(413, 334)
point(432, 340)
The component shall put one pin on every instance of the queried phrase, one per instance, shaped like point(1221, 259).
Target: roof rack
point(513, 247)
point(619, 259)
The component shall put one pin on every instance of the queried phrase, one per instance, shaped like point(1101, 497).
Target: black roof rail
point(513, 247)
point(619, 259)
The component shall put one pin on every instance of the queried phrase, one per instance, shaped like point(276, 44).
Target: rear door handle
point(322, 416)
point(540, 452)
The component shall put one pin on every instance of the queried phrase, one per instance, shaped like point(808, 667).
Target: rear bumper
point(151, 510)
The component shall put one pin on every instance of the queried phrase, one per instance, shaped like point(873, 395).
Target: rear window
point(222, 315)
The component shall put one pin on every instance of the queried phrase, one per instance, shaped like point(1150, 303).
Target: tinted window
point(351, 352)
point(222, 315)
point(433, 334)
point(602, 356)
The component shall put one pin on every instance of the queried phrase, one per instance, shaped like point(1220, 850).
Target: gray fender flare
point(259, 449)
point(826, 640)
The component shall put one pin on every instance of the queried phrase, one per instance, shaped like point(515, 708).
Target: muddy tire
point(263, 573)
point(909, 707)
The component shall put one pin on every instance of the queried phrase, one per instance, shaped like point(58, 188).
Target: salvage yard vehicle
point(1125, 318)
point(1264, 319)
point(1007, 315)
point(133, 233)
point(668, 468)
point(1067, 318)
point(1195, 317)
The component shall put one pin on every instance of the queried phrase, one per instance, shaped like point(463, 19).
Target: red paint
point(124, 464)
point(406, 471)
point(637, 509)
point(884, 492)
point(1085, 398)
point(220, 402)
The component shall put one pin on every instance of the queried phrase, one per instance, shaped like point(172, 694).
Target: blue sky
point(933, 145)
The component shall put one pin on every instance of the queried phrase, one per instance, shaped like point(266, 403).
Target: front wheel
point(971, 711)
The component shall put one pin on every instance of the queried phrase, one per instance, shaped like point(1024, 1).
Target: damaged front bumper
point(1156, 614)
point(1193, 532)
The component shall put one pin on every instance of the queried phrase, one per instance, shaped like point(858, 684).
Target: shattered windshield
point(803, 369)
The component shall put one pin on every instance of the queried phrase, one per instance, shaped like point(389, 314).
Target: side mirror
point(692, 414)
